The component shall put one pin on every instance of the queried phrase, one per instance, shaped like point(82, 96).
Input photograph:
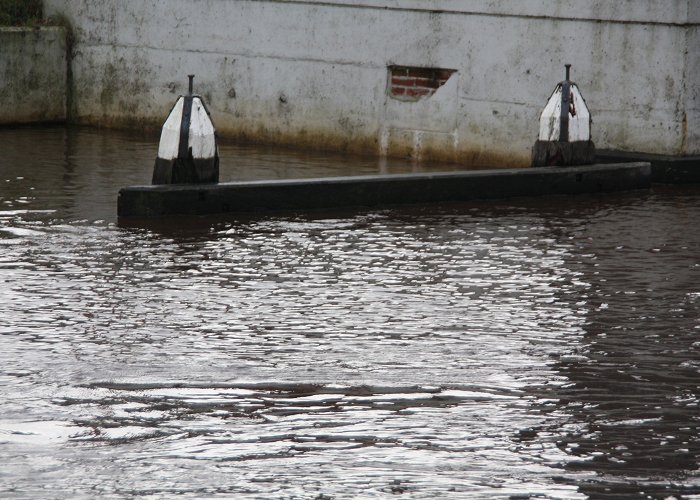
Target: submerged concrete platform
point(665, 169)
point(377, 190)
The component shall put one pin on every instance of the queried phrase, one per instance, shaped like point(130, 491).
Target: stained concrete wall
point(691, 108)
point(315, 72)
point(32, 75)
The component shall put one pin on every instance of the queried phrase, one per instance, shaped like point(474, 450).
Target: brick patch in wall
point(411, 83)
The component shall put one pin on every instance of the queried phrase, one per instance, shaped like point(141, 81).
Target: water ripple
point(525, 349)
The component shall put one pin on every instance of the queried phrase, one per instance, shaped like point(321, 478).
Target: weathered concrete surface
point(377, 190)
point(315, 73)
point(691, 108)
point(33, 75)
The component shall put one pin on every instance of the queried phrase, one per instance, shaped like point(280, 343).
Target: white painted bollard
point(187, 153)
point(565, 128)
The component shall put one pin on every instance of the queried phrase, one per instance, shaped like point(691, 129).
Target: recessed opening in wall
point(411, 83)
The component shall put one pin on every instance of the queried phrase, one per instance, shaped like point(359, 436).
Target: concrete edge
point(377, 190)
point(665, 169)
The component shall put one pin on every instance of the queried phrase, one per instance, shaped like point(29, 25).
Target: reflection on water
point(534, 348)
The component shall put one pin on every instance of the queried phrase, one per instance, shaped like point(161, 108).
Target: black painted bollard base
point(559, 153)
point(188, 171)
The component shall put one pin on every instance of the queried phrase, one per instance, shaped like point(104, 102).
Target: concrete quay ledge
point(665, 169)
point(377, 190)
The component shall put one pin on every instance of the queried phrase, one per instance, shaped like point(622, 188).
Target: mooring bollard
point(187, 153)
point(565, 129)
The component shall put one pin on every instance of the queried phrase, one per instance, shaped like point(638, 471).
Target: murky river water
point(544, 348)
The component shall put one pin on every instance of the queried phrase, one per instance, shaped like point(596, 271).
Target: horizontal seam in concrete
point(239, 54)
point(427, 130)
point(621, 110)
point(496, 101)
point(426, 10)
point(24, 29)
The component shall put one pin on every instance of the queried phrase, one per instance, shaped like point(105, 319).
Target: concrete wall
point(32, 75)
point(315, 72)
point(691, 108)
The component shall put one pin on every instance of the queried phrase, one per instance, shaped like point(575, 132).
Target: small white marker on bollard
point(187, 153)
point(565, 128)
